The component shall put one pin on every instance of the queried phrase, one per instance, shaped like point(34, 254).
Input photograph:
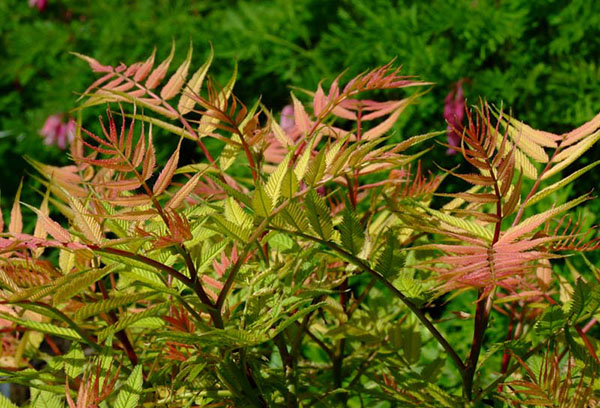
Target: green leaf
point(351, 232)
point(186, 103)
point(5, 280)
point(333, 151)
point(274, 184)
point(294, 216)
point(316, 169)
point(560, 184)
point(302, 163)
point(581, 353)
point(411, 344)
point(85, 223)
point(261, 202)
point(580, 300)
point(289, 184)
point(389, 262)
point(44, 327)
point(74, 362)
point(572, 153)
point(95, 308)
point(232, 192)
point(230, 229)
point(209, 252)
point(129, 319)
point(80, 283)
point(465, 225)
point(130, 392)
point(6, 403)
point(318, 215)
point(278, 131)
point(66, 261)
point(551, 321)
point(236, 214)
point(44, 399)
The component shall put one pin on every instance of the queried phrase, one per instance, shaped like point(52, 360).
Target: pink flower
point(40, 4)
point(287, 121)
point(55, 131)
point(454, 113)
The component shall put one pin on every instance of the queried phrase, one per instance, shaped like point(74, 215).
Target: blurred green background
point(538, 57)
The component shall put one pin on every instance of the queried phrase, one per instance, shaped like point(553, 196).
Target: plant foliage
point(297, 266)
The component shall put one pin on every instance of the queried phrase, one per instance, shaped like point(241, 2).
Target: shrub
point(297, 265)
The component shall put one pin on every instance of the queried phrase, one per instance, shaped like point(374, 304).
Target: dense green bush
point(536, 56)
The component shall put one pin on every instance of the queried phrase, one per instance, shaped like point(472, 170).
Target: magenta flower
point(454, 113)
point(287, 120)
point(57, 132)
point(40, 4)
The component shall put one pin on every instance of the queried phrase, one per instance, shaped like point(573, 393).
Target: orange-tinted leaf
point(39, 230)
point(300, 116)
point(159, 73)
point(167, 172)
point(474, 197)
point(513, 200)
point(16, 219)
point(149, 158)
point(384, 126)
point(129, 201)
point(120, 185)
point(176, 81)
point(144, 70)
point(582, 131)
point(383, 108)
point(183, 192)
point(186, 103)
point(94, 64)
point(319, 101)
point(50, 226)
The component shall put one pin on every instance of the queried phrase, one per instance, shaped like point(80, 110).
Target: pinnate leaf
point(81, 282)
point(318, 215)
point(301, 117)
point(145, 68)
point(6, 403)
point(572, 153)
point(351, 232)
point(16, 219)
point(389, 262)
point(130, 392)
point(74, 362)
point(87, 224)
point(159, 73)
point(176, 81)
point(165, 176)
point(186, 102)
point(183, 192)
point(276, 179)
point(51, 227)
point(561, 183)
point(261, 202)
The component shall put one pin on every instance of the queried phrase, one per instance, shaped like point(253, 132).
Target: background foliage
point(536, 56)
